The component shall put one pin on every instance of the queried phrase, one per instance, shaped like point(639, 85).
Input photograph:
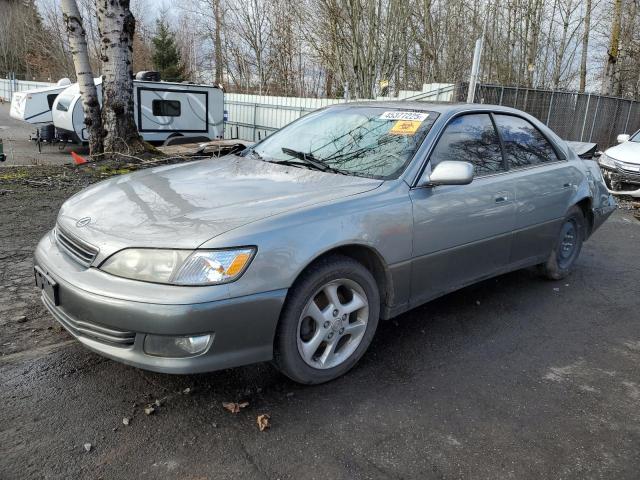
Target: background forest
point(320, 47)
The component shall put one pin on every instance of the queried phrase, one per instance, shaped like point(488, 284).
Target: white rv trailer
point(162, 111)
point(34, 106)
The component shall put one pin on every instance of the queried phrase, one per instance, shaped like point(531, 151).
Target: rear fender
point(602, 203)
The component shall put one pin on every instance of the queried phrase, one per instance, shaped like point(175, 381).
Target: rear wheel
point(328, 321)
point(567, 247)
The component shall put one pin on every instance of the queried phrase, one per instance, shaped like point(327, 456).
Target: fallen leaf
point(234, 407)
point(87, 447)
point(126, 420)
point(263, 421)
point(148, 410)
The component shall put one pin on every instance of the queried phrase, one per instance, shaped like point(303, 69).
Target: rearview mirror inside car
point(450, 173)
point(623, 138)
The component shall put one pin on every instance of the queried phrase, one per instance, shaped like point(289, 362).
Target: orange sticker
point(405, 127)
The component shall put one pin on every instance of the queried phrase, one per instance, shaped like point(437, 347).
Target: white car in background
point(621, 165)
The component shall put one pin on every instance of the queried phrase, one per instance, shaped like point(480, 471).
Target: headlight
point(180, 267)
point(607, 161)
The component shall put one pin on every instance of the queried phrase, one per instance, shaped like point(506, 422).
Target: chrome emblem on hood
point(83, 222)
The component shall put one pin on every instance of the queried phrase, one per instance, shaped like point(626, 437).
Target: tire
point(567, 247)
point(309, 319)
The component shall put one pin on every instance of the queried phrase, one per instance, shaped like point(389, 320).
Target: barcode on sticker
point(398, 115)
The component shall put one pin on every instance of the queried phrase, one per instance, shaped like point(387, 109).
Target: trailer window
point(51, 98)
point(64, 102)
point(165, 108)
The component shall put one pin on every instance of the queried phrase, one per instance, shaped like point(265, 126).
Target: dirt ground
point(29, 201)
point(21, 151)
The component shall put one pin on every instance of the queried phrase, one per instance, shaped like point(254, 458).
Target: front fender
point(381, 221)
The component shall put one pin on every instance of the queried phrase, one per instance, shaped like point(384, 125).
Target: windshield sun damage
point(376, 142)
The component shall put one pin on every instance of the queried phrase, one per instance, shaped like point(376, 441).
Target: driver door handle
point(501, 198)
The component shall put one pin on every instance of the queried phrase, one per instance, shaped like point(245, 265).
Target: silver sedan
point(293, 250)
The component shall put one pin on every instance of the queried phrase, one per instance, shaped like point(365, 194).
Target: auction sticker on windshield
point(409, 116)
point(405, 127)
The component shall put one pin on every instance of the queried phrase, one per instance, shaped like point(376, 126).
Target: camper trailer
point(163, 111)
point(34, 106)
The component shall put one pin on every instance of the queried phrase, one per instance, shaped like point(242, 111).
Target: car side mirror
point(623, 138)
point(450, 173)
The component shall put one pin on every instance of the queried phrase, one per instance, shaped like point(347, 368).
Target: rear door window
point(524, 145)
point(471, 138)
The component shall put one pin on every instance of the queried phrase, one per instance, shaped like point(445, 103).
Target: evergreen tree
point(166, 58)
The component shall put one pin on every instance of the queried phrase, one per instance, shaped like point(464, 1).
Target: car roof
point(450, 108)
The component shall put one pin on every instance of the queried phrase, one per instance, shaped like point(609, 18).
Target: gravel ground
point(515, 377)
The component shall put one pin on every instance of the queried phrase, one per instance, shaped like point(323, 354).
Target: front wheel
point(328, 321)
point(567, 247)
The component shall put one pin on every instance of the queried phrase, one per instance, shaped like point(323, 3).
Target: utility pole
point(475, 66)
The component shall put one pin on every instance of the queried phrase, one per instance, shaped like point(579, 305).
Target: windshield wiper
point(308, 159)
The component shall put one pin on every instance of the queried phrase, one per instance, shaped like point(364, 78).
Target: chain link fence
point(581, 117)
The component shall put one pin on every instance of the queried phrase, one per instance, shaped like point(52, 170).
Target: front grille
point(628, 168)
point(80, 251)
point(112, 336)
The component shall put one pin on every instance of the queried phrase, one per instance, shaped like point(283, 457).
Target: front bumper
point(624, 177)
point(242, 328)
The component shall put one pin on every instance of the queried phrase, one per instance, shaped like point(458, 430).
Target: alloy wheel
point(332, 324)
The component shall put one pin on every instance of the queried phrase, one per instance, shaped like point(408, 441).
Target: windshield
point(375, 142)
point(635, 138)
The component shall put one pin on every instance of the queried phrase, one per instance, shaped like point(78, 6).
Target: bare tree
point(611, 73)
point(317, 47)
point(117, 28)
point(84, 74)
point(585, 46)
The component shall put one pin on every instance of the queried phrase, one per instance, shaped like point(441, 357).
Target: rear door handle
point(567, 185)
point(501, 198)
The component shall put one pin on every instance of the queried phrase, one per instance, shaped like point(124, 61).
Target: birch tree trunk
point(117, 26)
point(88, 92)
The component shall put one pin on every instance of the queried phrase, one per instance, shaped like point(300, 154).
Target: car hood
point(625, 152)
point(184, 205)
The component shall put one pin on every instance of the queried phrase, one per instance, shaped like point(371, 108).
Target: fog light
point(169, 346)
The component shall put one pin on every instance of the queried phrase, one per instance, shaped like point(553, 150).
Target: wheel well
point(585, 206)
point(373, 262)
